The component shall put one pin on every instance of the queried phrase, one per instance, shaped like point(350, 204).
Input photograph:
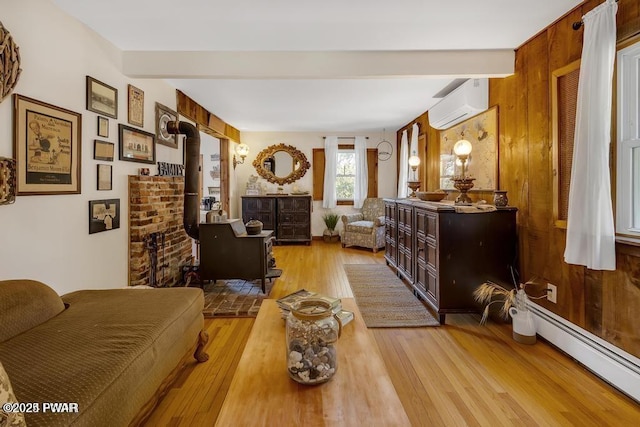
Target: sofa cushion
point(360, 227)
point(8, 419)
point(25, 304)
point(109, 351)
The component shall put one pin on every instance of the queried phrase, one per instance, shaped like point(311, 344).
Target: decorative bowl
point(431, 196)
point(253, 227)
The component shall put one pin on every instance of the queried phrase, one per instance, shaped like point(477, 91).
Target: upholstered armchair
point(365, 229)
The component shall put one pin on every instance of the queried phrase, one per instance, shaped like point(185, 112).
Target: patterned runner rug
point(384, 300)
point(234, 298)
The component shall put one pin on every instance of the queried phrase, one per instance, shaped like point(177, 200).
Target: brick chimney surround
point(156, 205)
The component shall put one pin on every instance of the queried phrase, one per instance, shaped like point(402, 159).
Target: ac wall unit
point(467, 100)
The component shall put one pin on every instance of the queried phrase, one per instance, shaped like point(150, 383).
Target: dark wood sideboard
point(289, 216)
point(445, 255)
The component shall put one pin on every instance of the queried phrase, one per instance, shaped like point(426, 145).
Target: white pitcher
point(524, 327)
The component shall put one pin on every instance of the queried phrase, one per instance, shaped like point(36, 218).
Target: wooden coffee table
point(262, 394)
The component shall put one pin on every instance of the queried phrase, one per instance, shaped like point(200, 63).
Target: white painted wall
point(306, 142)
point(46, 237)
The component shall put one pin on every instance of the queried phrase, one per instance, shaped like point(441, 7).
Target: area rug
point(384, 300)
point(234, 298)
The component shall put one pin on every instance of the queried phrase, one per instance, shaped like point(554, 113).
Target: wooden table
point(262, 394)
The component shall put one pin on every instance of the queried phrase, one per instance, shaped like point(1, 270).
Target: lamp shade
point(414, 161)
point(462, 148)
point(242, 150)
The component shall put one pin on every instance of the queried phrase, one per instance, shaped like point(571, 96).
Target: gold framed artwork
point(102, 98)
point(136, 106)
point(105, 175)
point(136, 145)
point(103, 150)
point(482, 132)
point(46, 145)
point(163, 116)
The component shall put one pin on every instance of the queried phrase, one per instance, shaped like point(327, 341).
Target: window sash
point(628, 144)
point(346, 178)
point(318, 173)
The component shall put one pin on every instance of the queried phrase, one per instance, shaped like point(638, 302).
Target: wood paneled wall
point(604, 303)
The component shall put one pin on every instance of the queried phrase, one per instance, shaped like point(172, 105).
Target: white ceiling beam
point(318, 64)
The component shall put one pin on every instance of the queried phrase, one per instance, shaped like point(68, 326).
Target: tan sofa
point(110, 351)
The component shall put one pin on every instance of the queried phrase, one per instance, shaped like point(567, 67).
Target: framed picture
point(103, 150)
point(136, 106)
point(46, 145)
point(136, 145)
point(482, 132)
point(163, 116)
point(104, 215)
point(102, 98)
point(104, 177)
point(7, 181)
point(103, 127)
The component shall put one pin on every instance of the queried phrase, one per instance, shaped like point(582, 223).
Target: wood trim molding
point(201, 116)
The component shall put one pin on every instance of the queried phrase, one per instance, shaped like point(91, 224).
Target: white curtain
point(362, 172)
point(413, 149)
point(330, 159)
point(590, 227)
point(404, 166)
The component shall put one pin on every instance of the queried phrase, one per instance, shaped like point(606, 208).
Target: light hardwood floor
point(459, 374)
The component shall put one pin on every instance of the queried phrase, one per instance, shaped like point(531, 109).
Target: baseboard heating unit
point(613, 365)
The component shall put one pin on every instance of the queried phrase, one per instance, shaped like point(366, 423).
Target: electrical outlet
point(552, 293)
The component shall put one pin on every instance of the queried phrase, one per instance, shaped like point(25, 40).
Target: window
point(346, 174)
point(564, 104)
point(628, 144)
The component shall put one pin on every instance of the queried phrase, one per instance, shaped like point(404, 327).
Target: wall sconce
point(462, 149)
point(241, 150)
point(414, 184)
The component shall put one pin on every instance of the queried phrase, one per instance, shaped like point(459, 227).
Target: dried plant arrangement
point(9, 63)
point(490, 293)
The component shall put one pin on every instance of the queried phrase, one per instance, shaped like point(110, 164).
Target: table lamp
point(462, 183)
point(414, 184)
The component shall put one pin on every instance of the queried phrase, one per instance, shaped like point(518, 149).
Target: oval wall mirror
point(281, 164)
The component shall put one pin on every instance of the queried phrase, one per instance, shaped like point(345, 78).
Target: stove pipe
point(191, 218)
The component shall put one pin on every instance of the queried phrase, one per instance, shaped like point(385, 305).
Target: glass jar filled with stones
point(312, 332)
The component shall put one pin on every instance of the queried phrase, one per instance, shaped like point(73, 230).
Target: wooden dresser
point(288, 216)
point(445, 255)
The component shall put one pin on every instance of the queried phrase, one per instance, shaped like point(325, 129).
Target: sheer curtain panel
point(330, 155)
point(404, 166)
point(590, 228)
point(361, 184)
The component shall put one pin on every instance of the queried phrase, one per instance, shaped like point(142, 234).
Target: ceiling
point(270, 88)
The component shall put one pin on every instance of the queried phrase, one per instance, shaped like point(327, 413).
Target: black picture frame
point(103, 150)
point(102, 98)
point(104, 215)
point(104, 174)
point(103, 127)
point(136, 145)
